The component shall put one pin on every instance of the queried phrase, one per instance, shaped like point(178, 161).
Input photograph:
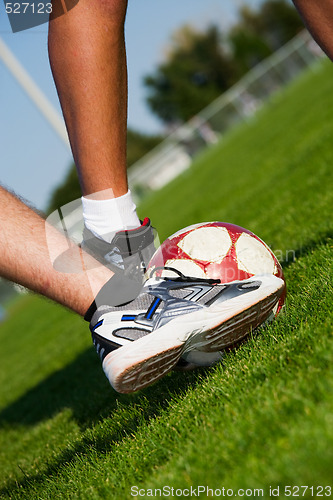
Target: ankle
point(106, 217)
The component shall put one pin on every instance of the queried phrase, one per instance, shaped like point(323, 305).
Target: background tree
point(259, 33)
point(201, 65)
point(278, 22)
point(247, 44)
point(196, 71)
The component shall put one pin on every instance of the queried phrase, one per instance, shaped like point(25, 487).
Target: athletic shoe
point(142, 340)
point(129, 251)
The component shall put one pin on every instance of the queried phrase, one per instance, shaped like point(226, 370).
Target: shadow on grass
point(74, 387)
point(82, 387)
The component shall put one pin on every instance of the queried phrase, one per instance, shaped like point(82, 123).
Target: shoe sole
point(139, 364)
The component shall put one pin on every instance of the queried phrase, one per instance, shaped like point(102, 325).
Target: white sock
point(105, 217)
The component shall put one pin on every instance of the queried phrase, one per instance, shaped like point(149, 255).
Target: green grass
point(262, 419)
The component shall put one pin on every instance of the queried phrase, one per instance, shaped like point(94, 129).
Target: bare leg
point(318, 18)
point(25, 258)
point(88, 60)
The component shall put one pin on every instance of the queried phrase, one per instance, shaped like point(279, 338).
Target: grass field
point(264, 418)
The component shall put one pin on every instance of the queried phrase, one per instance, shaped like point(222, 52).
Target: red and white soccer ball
point(217, 250)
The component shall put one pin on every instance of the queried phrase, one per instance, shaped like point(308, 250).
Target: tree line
point(201, 65)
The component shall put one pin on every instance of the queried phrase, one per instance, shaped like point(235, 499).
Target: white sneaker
point(141, 341)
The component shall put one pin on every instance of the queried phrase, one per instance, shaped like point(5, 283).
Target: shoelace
point(182, 278)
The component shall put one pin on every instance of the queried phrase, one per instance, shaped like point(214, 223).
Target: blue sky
point(33, 160)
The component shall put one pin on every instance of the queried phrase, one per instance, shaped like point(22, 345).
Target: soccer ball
point(216, 250)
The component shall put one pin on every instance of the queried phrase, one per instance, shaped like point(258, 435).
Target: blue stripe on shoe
point(127, 317)
point(98, 324)
point(153, 308)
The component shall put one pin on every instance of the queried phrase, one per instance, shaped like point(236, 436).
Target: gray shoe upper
point(128, 253)
point(160, 301)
